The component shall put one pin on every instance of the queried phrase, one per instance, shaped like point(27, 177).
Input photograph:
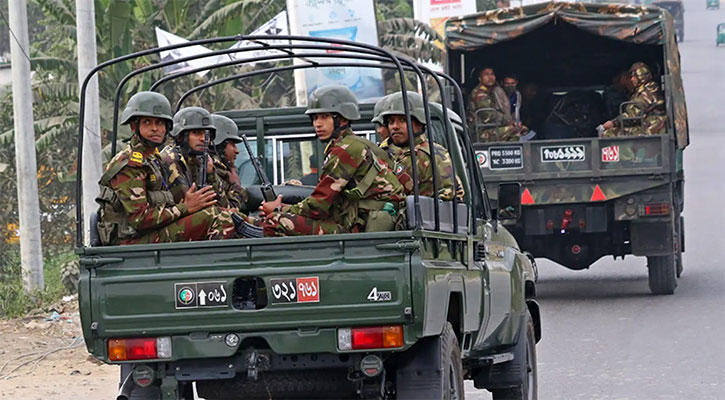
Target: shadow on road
point(592, 287)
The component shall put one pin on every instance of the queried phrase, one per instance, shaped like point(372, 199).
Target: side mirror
point(509, 201)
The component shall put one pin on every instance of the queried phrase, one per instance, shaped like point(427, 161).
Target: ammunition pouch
point(379, 216)
point(160, 197)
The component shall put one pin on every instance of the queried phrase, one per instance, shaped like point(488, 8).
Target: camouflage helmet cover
point(226, 129)
point(147, 104)
point(641, 71)
point(379, 107)
point(191, 118)
point(394, 106)
point(334, 99)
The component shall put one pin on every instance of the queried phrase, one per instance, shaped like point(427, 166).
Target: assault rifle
point(266, 186)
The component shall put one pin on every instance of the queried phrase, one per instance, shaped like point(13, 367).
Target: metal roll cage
point(343, 49)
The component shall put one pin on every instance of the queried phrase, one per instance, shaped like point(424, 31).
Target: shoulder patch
point(399, 169)
point(136, 158)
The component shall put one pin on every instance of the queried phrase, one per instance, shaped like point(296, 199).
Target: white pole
point(31, 254)
point(86, 31)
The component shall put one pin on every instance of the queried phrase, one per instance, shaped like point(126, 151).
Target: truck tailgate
point(207, 286)
point(592, 169)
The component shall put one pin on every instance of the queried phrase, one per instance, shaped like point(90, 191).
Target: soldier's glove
point(245, 229)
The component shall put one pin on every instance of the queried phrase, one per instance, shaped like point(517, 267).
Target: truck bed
point(261, 287)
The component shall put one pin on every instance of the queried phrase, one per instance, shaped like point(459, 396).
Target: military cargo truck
point(405, 314)
point(584, 197)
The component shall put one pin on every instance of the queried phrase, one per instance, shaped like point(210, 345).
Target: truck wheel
point(452, 365)
point(528, 389)
point(662, 271)
point(139, 393)
point(432, 369)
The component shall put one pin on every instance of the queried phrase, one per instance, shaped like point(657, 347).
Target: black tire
point(139, 393)
point(662, 272)
point(529, 387)
point(297, 384)
point(452, 365)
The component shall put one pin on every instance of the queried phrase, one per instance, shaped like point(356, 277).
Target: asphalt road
point(604, 335)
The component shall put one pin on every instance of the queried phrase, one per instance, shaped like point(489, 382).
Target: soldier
point(136, 205)
point(650, 106)
point(494, 125)
point(357, 190)
point(233, 196)
point(394, 116)
point(382, 130)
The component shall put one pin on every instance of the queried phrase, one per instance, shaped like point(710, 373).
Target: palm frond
point(218, 17)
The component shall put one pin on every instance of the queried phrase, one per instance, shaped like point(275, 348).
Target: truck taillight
point(127, 349)
point(370, 337)
point(654, 209)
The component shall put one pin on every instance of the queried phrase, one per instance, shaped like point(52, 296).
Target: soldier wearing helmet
point(232, 194)
point(357, 190)
point(394, 116)
point(192, 133)
point(647, 103)
point(381, 129)
point(136, 205)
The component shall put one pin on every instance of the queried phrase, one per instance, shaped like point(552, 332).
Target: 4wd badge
point(563, 153)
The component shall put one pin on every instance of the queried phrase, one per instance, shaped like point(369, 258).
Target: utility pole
point(91, 174)
point(29, 209)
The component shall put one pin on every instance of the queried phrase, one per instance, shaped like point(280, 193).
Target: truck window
point(297, 159)
point(245, 169)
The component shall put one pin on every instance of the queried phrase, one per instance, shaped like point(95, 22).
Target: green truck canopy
point(635, 25)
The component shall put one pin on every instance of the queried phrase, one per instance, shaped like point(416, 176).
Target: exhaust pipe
point(127, 387)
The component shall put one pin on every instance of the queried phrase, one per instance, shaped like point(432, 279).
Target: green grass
point(13, 301)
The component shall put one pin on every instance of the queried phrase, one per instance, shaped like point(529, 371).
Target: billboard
point(352, 20)
point(436, 12)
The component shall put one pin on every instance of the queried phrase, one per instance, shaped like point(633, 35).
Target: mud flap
point(651, 239)
point(419, 374)
point(507, 374)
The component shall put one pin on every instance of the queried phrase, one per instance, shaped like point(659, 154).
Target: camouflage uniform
point(503, 131)
point(390, 148)
point(402, 161)
point(335, 205)
point(231, 193)
point(145, 210)
point(184, 171)
point(651, 107)
point(404, 169)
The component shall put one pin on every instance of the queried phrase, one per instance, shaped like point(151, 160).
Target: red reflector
point(132, 349)
point(655, 209)
point(367, 338)
point(526, 197)
point(598, 195)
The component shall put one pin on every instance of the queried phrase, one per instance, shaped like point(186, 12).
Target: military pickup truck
point(584, 197)
point(407, 314)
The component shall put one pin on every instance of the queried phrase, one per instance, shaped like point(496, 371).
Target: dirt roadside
point(44, 357)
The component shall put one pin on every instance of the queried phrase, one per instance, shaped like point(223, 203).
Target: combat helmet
point(226, 129)
point(191, 118)
point(334, 99)
point(379, 107)
point(641, 71)
point(394, 106)
point(147, 104)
